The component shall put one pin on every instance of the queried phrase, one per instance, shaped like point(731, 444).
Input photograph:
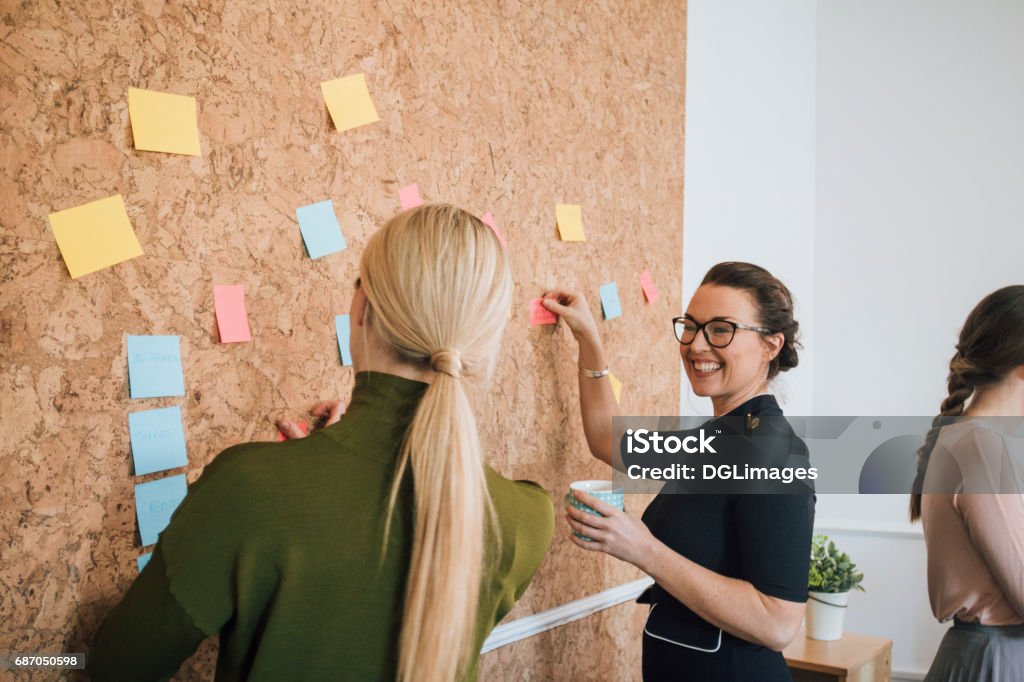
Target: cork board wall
point(501, 106)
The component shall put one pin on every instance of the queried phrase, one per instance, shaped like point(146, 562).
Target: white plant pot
point(825, 614)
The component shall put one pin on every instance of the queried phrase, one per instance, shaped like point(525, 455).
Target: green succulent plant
point(831, 570)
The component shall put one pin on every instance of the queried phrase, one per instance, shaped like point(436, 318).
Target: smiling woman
point(730, 571)
point(749, 334)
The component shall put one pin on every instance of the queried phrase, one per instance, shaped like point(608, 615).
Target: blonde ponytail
point(438, 284)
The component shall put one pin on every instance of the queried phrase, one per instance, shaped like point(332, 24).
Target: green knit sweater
point(276, 549)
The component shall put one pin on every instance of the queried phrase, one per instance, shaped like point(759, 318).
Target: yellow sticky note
point(162, 122)
point(616, 387)
point(94, 236)
point(570, 222)
point(349, 102)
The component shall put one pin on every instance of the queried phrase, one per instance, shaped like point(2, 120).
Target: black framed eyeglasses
point(718, 333)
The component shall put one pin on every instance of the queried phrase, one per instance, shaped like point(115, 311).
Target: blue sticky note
point(320, 229)
point(143, 560)
point(154, 366)
point(158, 441)
point(610, 301)
point(342, 326)
point(155, 502)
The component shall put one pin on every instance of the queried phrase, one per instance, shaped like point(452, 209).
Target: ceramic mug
point(602, 490)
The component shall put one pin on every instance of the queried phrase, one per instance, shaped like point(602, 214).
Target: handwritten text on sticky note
point(155, 501)
point(154, 366)
point(158, 441)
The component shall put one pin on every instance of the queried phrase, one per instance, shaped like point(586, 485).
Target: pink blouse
point(974, 522)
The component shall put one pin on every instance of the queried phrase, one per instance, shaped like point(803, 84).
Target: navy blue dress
point(764, 539)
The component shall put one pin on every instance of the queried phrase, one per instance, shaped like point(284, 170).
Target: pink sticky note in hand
point(488, 220)
point(650, 292)
point(232, 320)
point(303, 426)
point(409, 197)
point(539, 314)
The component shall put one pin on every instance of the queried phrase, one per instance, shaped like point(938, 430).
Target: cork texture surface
point(501, 106)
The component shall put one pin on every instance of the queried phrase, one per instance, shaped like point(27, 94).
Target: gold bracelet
point(591, 374)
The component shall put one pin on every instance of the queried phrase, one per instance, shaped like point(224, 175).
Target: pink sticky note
point(488, 220)
point(409, 196)
point(303, 426)
point(232, 321)
point(539, 314)
point(650, 292)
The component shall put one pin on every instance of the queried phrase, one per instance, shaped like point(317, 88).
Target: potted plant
point(829, 582)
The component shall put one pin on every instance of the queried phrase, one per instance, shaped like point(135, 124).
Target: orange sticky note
point(409, 197)
point(570, 222)
point(232, 320)
point(162, 122)
point(650, 292)
point(94, 236)
point(616, 387)
point(348, 100)
point(488, 220)
point(303, 426)
point(539, 314)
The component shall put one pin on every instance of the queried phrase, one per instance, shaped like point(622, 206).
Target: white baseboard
point(528, 626)
point(534, 624)
point(897, 529)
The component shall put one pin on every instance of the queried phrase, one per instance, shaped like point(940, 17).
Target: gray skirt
point(979, 653)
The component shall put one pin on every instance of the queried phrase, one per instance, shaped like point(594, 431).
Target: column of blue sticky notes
point(157, 436)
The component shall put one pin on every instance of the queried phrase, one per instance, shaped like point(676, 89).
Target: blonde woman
point(380, 547)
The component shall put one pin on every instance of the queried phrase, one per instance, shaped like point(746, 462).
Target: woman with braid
point(381, 547)
point(968, 496)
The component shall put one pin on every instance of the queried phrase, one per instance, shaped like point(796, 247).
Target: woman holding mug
point(730, 570)
point(380, 547)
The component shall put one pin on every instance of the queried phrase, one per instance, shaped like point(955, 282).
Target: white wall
point(920, 179)
point(750, 157)
point(870, 154)
point(920, 165)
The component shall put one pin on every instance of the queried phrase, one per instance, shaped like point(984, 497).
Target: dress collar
point(764, 404)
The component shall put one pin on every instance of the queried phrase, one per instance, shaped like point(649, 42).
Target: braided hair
point(988, 349)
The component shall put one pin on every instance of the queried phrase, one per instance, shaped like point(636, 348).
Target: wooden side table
point(854, 658)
